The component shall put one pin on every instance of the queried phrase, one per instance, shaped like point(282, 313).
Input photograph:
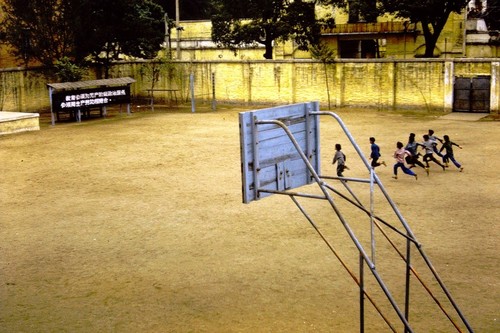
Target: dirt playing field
point(135, 224)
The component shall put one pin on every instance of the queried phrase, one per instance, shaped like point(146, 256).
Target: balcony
point(392, 27)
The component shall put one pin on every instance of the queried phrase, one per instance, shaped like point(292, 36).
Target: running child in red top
point(400, 155)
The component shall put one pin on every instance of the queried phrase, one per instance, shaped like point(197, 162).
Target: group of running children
point(408, 154)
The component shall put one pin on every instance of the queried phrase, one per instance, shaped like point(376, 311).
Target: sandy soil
point(135, 224)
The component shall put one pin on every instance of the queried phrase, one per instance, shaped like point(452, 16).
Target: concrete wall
point(383, 83)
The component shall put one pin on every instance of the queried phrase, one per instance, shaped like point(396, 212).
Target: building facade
point(464, 35)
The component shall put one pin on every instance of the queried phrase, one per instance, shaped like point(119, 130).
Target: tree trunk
point(430, 45)
point(430, 40)
point(269, 49)
point(431, 37)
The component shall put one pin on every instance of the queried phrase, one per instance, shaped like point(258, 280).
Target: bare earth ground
point(135, 224)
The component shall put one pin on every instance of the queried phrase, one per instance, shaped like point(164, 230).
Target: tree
point(188, 9)
point(67, 71)
point(358, 10)
point(49, 30)
point(431, 14)
point(325, 54)
point(155, 69)
point(106, 30)
point(362, 11)
point(38, 30)
point(241, 23)
point(492, 15)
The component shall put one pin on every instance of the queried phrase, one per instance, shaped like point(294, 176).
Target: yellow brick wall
point(419, 84)
point(467, 68)
point(384, 84)
point(194, 29)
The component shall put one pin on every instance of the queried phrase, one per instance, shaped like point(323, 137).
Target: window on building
point(359, 49)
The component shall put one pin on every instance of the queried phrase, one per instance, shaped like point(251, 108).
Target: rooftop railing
point(376, 27)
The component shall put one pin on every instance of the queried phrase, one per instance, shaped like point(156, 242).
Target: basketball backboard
point(269, 142)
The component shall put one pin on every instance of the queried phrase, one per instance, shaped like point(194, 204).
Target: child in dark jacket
point(448, 156)
point(375, 154)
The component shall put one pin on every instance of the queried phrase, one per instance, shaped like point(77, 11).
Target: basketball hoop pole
point(280, 152)
point(321, 184)
point(403, 222)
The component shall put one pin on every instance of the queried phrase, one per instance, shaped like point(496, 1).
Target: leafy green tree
point(323, 53)
point(492, 15)
point(38, 30)
point(241, 23)
point(431, 14)
point(156, 68)
point(107, 30)
point(362, 10)
point(188, 9)
point(96, 30)
point(67, 71)
point(358, 10)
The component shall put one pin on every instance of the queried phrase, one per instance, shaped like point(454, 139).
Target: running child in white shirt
point(340, 159)
point(429, 150)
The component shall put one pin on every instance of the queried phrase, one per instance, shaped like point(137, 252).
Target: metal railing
point(374, 27)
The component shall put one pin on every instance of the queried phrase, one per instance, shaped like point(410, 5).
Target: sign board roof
point(121, 81)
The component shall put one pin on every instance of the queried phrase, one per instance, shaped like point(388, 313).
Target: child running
point(375, 154)
point(448, 156)
point(399, 155)
point(412, 159)
point(435, 139)
point(429, 149)
point(340, 158)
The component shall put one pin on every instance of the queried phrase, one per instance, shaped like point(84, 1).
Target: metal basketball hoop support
point(376, 222)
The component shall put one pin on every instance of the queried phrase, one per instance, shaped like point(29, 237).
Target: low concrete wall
point(15, 122)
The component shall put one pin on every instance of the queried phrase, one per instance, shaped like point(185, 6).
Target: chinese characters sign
point(86, 98)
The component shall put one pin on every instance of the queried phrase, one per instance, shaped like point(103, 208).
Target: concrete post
point(449, 72)
point(495, 88)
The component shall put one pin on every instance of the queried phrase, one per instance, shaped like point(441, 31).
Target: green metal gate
point(472, 94)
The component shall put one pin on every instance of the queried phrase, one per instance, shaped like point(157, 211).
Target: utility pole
point(168, 47)
point(177, 19)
